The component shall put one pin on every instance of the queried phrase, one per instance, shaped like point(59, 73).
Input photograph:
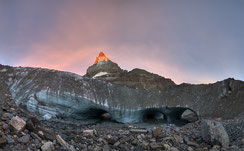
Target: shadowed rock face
point(136, 78)
point(104, 66)
point(66, 94)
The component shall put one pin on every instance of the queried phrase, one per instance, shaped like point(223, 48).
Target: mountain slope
point(137, 78)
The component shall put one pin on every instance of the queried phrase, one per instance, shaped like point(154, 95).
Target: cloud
point(186, 41)
point(49, 57)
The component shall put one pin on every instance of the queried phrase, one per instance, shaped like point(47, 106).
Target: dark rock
point(117, 144)
point(112, 140)
point(5, 126)
point(178, 139)
point(134, 142)
point(124, 147)
point(10, 140)
point(213, 149)
point(34, 135)
point(156, 147)
point(24, 139)
point(6, 116)
point(190, 143)
point(138, 148)
point(48, 134)
point(3, 141)
point(124, 139)
point(214, 132)
point(106, 148)
point(4, 108)
point(34, 120)
point(156, 132)
point(30, 126)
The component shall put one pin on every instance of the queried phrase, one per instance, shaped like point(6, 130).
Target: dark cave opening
point(96, 114)
point(152, 115)
point(175, 115)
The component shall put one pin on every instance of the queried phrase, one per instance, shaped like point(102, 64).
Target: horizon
point(197, 42)
point(126, 70)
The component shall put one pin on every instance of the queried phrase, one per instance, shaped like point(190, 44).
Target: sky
point(190, 41)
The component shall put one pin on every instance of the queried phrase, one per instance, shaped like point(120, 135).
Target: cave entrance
point(96, 114)
point(176, 115)
point(189, 116)
point(153, 116)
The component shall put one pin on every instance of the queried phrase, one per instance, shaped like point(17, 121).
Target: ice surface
point(47, 116)
point(77, 96)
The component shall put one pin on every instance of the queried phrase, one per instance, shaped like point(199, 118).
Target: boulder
point(156, 132)
point(17, 123)
point(5, 126)
point(24, 139)
point(30, 126)
point(64, 143)
point(112, 140)
point(106, 116)
point(10, 140)
point(6, 116)
point(214, 133)
point(88, 132)
point(34, 135)
point(124, 139)
point(48, 146)
point(3, 141)
point(156, 147)
point(106, 148)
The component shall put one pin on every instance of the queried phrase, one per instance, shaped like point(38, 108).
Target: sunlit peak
point(101, 57)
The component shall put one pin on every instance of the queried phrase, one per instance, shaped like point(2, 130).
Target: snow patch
point(47, 116)
point(99, 74)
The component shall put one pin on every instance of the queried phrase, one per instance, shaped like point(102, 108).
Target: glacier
point(57, 93)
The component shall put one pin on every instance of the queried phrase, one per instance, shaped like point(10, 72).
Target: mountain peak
point(101, 57)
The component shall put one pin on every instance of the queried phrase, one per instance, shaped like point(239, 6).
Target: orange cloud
point(55, 59)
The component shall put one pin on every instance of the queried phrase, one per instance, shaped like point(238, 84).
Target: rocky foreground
point(22, 131)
